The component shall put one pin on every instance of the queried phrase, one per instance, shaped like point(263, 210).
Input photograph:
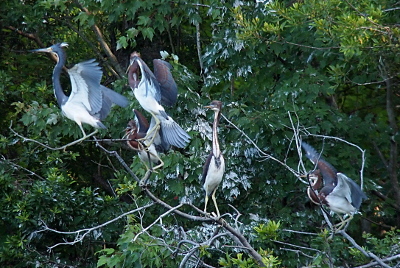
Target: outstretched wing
point(328, 172)
point(357, 195)
point(85, 85)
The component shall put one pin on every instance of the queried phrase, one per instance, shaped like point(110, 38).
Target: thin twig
point(24, 139)
point(158, 219)
point(121, 161)
point(298, 252)
point(295, 246)
point(371, 264)
point(367, 254)
point(262, 153)
point(21, 167)
point(80, 234)
point(363, 158)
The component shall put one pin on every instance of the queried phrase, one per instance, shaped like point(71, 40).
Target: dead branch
point(103, 43)
point(367, 254)
point(82, 233)
point(257, 257)
point(371, 264)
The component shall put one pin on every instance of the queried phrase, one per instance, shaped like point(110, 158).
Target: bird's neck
point(58, 92)
point(133, 77)
point(215, 147)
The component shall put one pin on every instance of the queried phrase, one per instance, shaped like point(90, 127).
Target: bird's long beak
point(47, 50)
point(135, 56)
point(209, 106)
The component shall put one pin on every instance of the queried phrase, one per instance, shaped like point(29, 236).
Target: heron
point(153, 90)
point(340, 193)
point(214, 168)
point(89, 101)
point(135, 133)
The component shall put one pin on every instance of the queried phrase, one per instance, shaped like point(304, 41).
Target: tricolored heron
point(154, 90)
point(214, 168)
point(340, 193)
point(89, 101)
point(148, 152)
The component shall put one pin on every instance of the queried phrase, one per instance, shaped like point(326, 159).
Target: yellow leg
point(84, 134)
point(205, 203)
point(151, 134)
point(343, 223)
point(77, 141)
point(145, 147)
point(215, 202)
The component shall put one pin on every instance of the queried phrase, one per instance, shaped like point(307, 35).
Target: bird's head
point(55, 49)
point(131, 132)
point(215, 105)
point(131, 127)
point(134, 70)
point(315, 179)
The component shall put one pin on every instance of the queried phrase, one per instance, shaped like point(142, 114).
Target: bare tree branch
point(363, 158)
point(24, 139)
point(371, 264)
point(257, 257)
point(261, 153)
point(103, 43)
point(82, 233)
point(367, 254)
point(158, 219)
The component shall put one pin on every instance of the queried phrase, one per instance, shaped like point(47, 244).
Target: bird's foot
point(341, 225)
point(207, 215)
point(214, 215)
point(330, 238)
point(145, 179)
point(143, 183)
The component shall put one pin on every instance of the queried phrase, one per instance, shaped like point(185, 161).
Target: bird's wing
point(110, 97)
point(311, 153)
point(154, 86)
point(85, 85)
point(141, 121)
point(343, 189)
point(357, 195)
point(160, 143)
point(205, 169)
point(168, 87)
point(328, 172)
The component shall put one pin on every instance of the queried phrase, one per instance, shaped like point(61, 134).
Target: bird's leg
point(205, 203)
point(83, 131)
point(151, 134)
point(143, 181)
point(76, 141)
point(343, 223)
point(159, 165)
point(144, 147)
point(215, 202)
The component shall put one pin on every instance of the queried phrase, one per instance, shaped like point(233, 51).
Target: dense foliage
point(326, 72)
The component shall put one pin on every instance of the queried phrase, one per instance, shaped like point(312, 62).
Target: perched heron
point(152, 90)
point(340, 193)
point(214, 168)
point(89, 101)
point(135, 133)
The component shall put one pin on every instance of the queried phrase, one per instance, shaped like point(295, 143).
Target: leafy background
point(325, 71)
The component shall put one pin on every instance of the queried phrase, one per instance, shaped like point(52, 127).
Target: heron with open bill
point(331, 188)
